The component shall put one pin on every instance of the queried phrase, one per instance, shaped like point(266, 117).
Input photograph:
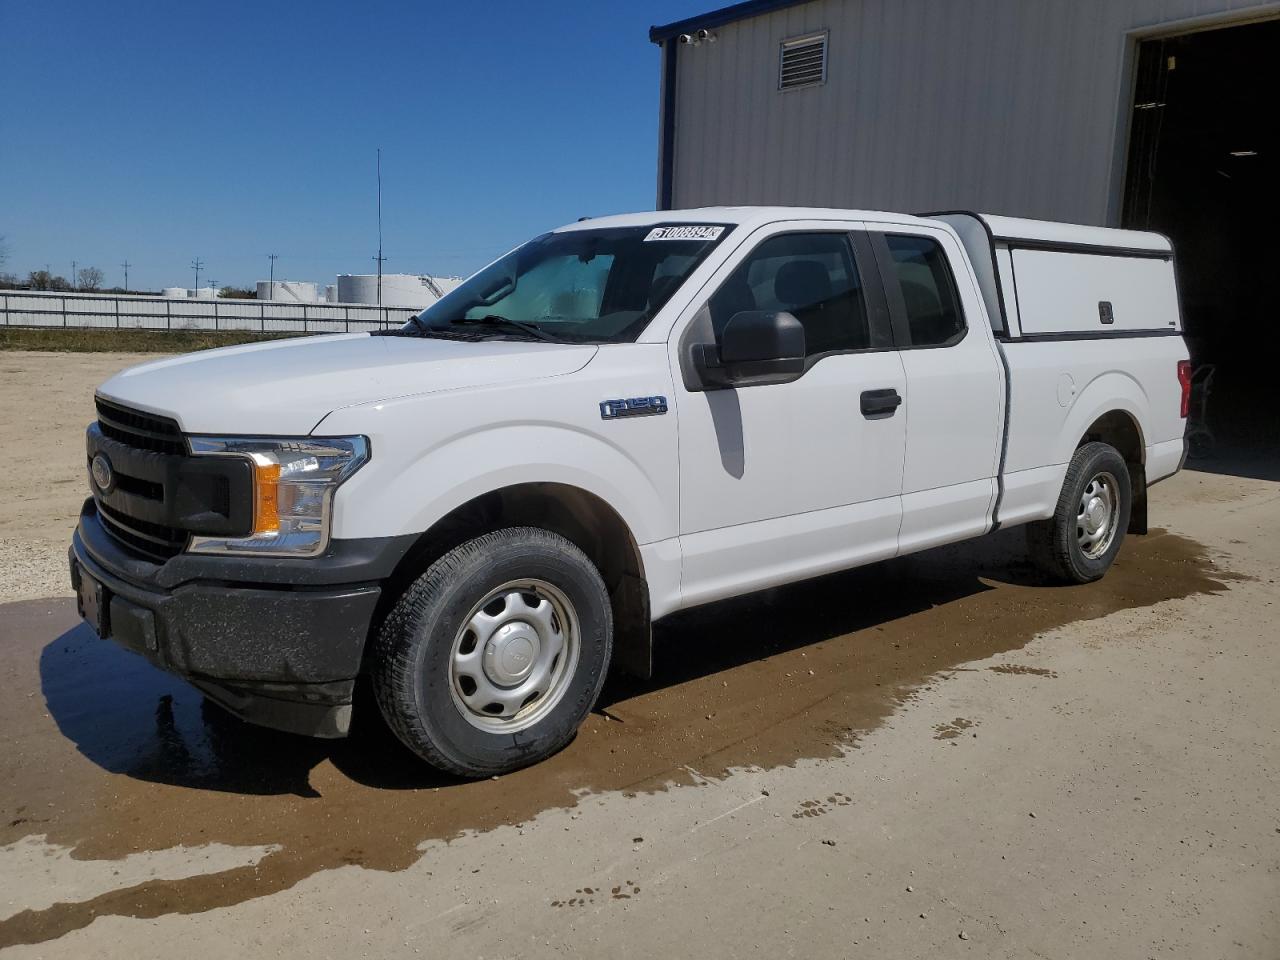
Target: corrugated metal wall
point(1007, 106)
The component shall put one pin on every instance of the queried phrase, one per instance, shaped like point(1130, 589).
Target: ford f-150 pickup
point(484, 510)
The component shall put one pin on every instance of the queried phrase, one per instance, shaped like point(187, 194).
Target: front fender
point(426, 487)
point(433, 454)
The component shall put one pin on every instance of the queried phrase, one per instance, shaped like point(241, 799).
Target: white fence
point(23, 308)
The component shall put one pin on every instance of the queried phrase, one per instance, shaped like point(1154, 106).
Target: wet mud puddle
point(103, 754)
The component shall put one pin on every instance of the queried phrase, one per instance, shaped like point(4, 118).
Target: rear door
point(783, 481)
point(955, 386)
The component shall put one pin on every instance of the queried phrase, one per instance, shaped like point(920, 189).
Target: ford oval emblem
point(104, 478)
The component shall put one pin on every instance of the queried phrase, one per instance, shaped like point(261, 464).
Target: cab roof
point(744, 216)
point(1002, 228)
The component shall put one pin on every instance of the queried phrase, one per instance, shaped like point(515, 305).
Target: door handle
point(880, 403)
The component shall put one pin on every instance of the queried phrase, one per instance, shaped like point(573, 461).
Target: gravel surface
point(33, 568)
point(48, 399)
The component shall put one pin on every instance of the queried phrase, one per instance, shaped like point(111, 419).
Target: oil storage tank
point(398, 289)
point(287, 291)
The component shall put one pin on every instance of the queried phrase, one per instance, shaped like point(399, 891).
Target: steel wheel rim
point(1097, 514)
point(514, 656)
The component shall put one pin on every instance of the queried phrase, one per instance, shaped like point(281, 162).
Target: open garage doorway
point(1204, 168)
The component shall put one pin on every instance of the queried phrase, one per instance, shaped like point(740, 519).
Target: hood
point(285, 387)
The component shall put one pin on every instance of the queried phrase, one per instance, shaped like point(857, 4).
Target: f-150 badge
point(635, 407)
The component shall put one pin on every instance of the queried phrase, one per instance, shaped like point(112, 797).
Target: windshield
point(580, 286)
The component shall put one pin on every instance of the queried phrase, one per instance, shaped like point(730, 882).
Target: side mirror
point(757, 347)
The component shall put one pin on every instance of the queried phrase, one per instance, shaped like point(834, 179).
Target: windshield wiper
point(415, 327)
point(493, 320)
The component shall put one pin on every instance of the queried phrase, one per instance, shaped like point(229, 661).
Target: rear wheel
point(492, 658)
point(1080, 542)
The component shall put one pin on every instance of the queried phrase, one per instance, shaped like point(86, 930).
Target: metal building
point(1152, 114)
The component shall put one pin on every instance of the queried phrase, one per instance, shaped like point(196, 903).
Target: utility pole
point(74, 284)
point(271, 275)
point(214, 285)
point(126, 275)
point(197, 265)
point(379, 258)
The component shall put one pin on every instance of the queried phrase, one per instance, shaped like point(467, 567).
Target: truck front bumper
point(276, 642)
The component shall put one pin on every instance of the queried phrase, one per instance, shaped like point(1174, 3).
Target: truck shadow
point(130, 718)
point(724, 635)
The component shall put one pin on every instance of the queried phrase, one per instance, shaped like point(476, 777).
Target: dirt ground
point(938, 756)
point(48, 402)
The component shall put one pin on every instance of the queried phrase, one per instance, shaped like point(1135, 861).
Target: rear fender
point(1110, 391)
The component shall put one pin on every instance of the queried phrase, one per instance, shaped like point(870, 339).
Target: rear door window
point(927, 289)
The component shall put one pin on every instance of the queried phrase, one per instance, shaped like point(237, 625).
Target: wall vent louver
point(803, 62)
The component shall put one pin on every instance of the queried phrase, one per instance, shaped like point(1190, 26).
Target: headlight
point(293, 485)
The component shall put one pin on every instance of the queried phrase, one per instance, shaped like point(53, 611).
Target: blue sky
point(159, 132)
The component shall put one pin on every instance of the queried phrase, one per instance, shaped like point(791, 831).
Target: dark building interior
point(1204, 168)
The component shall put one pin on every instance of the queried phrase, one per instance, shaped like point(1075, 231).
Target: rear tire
point(1080, 542)
point(492, 659)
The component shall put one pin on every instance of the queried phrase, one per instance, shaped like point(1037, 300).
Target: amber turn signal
point(266, 494)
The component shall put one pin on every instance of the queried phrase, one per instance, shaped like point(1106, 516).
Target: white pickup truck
point(484, 510)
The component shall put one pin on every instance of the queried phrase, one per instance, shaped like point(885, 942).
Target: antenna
point(379, 257)
point(126, 275)
point(197, 265)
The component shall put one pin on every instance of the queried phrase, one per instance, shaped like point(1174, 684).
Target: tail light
point(1184, 380)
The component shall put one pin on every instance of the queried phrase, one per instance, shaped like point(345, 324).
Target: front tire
point(1080, 542)
point(492, 659)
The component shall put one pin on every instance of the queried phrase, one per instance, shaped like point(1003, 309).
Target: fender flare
point(1106, 393)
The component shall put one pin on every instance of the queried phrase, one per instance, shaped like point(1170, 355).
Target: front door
point(785, 481)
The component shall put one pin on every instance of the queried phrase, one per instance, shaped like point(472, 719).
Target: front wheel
point(492, 658)
point(1080, 542)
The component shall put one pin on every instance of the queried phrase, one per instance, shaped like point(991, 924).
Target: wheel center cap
point(1096, 515)
point(510, 653)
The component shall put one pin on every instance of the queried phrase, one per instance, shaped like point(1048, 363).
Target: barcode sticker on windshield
point(685, 233)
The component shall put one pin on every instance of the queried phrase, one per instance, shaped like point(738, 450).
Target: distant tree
point(237, 293)
point(44, 280)
point(9, 281)
point(89, 278)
